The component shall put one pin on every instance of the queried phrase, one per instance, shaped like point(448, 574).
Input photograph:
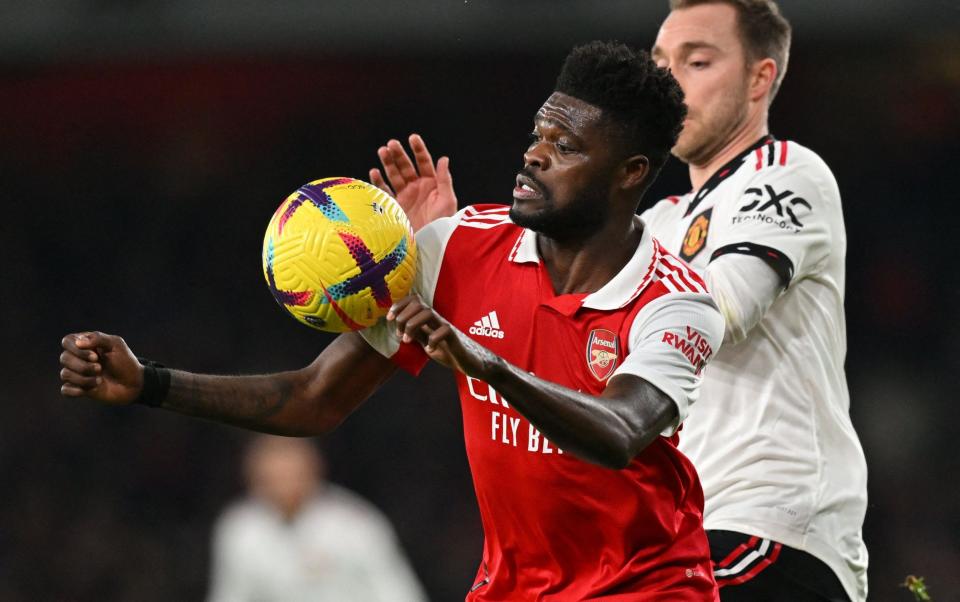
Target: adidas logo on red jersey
point(487, 326)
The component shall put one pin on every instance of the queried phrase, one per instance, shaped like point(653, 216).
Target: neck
point(585, 265)
point(739, 141)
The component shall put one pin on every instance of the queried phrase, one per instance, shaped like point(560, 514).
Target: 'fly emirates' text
point(505, 428)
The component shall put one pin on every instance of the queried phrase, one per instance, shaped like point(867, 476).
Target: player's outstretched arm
point(610, 429)
point(304, 402)
point(424, 191)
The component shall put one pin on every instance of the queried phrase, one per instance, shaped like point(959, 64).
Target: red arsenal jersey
point(557, 527)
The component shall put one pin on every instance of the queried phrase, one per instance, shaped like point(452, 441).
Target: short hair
point(764, 31)
point(642, 101)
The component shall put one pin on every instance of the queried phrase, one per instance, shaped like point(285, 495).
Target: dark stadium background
point(145, 146)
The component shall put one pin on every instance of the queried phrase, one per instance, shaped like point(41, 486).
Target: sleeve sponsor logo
point(696, 236)
point(784, 204)
point(692, 345)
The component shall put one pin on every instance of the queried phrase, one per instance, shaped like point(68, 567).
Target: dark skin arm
point(609, 429)
point(309, 401)
point(305, 402)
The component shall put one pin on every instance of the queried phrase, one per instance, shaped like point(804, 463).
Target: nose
point(536, 156)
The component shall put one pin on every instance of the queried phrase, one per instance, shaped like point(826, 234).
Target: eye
point(565, 149)
point(699, 64)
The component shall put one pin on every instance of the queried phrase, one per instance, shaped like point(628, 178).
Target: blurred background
point(145, 146)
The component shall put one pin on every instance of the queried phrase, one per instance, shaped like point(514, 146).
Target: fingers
point(399, 305)
point(73, 342)
point(80, 368)
point(415, 320)
point(446, 204)
point(443, 172)
point(422, 155)
point(402, 160)
point(79, 365)
point(438, 336)
point(96, 340)
point(420, 325)
point(419, 322)
point(376, 178)
point(71, 391)
point(390, 167)
point(85, 383)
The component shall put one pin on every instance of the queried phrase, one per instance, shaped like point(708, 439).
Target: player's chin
point(523, 212)
point(528, 205)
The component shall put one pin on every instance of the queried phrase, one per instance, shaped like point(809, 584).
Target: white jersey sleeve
point(744, 288)
point(784, 216)
point(431, 244)
point(670, 342)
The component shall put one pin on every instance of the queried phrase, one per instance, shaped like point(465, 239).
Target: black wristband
point(156, 383)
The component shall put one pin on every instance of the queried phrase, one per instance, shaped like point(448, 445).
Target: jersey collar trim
point(623, 288)
point(729, 168)
point(525, 249)
point(630, 281)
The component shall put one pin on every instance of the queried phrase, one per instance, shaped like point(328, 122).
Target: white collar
point(621, 289)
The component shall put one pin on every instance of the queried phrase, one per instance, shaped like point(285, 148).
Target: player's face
point(563, 189)
point(283, 477)
point(701, 47)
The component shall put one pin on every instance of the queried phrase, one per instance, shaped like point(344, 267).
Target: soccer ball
point(337, 253)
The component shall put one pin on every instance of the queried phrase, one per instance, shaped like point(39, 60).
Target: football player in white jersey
point(782, 468)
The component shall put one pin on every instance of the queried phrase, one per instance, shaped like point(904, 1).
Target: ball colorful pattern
point(337, 253)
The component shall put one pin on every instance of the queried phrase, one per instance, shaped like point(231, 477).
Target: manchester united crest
point(603, 353)
point(696, 236)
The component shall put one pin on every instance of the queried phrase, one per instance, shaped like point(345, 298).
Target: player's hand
point(425, 192)
point(444, 343)
point(99, 366)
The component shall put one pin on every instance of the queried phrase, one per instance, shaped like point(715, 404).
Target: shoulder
point(667, 202)
point(473, 218)
point(789, 161)
point(243, 522)
point(486, 222)
point(351, 511)
point(674, 331)
point(473, 230)
point(674, 287)
point(245, 511)
point(484, 216)
point(662, 207)
point(674, 275)
point(344, 500)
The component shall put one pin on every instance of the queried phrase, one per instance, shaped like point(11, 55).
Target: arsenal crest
point(603, 353)
point(696, 236)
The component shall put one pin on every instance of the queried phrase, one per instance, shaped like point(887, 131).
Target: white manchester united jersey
point(771, 436)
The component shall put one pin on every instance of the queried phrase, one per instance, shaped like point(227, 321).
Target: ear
point(762, 75)
point(634, 171)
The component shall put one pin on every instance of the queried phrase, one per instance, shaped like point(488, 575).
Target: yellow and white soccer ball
point(337, 253)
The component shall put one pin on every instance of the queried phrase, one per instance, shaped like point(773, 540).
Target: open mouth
point(526, 189)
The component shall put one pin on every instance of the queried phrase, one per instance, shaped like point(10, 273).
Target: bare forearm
point(305, 402)
point(268, 403)
point(608, 430)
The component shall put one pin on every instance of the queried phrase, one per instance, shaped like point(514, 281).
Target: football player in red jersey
point(587, 352)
